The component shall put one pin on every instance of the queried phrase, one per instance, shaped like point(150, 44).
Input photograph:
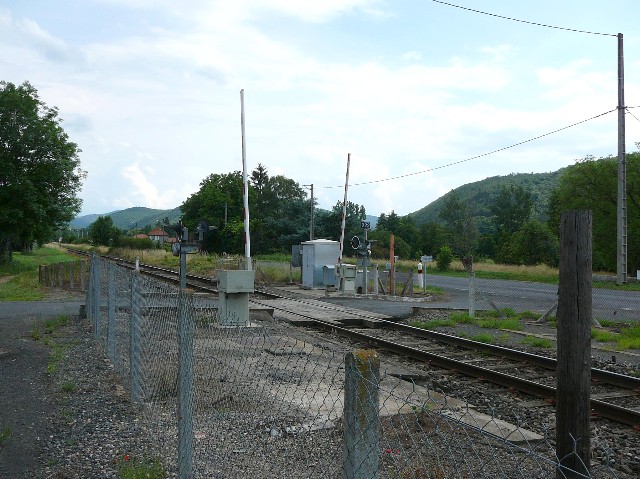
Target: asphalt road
point(539, 297)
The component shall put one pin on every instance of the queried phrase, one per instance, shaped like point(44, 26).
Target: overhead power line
point(524, 21)
point(473, 157)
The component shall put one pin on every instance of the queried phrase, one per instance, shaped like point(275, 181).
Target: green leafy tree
point(444, 258)
point(462, 232)
point(103, 232)
point(220, 202)
point(511, 209)
point(592, 184)
point(328, 224)
point(278, 211)
point(432, 236)
point(534, 243)
point(40, 172)
point(282, 212)
point(382, 245)
point(390, 222)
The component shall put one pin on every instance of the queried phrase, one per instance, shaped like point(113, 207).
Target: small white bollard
point(420, 276)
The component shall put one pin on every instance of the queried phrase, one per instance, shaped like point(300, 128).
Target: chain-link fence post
point(83, 267)
point(112, 300)
point(361, 416)
point(88, 300)
point(134, 338)
point(472, 295)
point(97, 289)
point(186, 315)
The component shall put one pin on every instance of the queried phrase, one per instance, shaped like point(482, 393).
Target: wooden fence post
point(573, 392)
point(83, 268)
point(72, 272)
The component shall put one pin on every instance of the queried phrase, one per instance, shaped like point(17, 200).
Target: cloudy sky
point(150, 91)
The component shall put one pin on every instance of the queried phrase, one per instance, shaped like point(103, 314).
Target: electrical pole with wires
point(621, 213)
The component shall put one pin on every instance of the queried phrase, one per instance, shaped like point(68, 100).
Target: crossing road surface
point(539, 297)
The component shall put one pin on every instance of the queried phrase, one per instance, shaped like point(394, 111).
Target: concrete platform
point(297, 375)
point(303, 312)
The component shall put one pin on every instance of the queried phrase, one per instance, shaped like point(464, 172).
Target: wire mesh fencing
point(265, 399)
point(541, 299)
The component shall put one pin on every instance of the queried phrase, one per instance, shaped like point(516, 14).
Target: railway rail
point(517, 370)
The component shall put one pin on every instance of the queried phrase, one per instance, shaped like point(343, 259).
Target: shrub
point(444, 258)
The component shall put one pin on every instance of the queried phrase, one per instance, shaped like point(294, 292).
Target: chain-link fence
point(608, 304)
point(265, 399)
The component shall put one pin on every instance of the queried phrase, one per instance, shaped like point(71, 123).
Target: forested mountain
point(481, 194)
point(136, 217)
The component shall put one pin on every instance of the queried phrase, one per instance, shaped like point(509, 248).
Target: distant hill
point(480, 195)
point(136, 217)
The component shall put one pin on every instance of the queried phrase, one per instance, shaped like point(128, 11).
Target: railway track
point(614, 396)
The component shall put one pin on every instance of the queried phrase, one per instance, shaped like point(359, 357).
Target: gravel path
point(23, 364)
point(66, 413)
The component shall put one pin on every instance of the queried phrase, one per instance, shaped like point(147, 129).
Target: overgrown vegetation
point(5, 434)
point(624, 336)
point(483, 319)
point(19, 279)
point(135, 468)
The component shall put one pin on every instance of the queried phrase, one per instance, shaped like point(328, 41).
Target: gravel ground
point(77, 422)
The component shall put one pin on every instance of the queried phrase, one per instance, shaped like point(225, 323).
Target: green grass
point(69, 387)
point(5, 435)
point(484, 338)
point(630, 338)
point(57, 354)
point(626, 337)
point(22, 284)
point(140, 469)
point(512, 324)
point(462, 317)
point(432, 324)
point(604, 336)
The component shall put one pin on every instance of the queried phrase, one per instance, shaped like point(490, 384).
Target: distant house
point(159, 235)
point(141, 236)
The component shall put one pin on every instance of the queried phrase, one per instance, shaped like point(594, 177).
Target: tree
point(511, 209)
point(389, 222)
point(432, 237)
point(217, 193)
point(533, 244)
point(40, 172)
point(592, 184)
point(278, 211)
point(328, 224)
point(103, 232)
point(463, 233)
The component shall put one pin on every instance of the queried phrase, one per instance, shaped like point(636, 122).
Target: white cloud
point(146, 191)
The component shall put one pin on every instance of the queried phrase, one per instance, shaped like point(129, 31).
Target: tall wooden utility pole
point(621, 276)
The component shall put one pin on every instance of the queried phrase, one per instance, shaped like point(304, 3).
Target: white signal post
point(344, 214)
point(247, 237)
